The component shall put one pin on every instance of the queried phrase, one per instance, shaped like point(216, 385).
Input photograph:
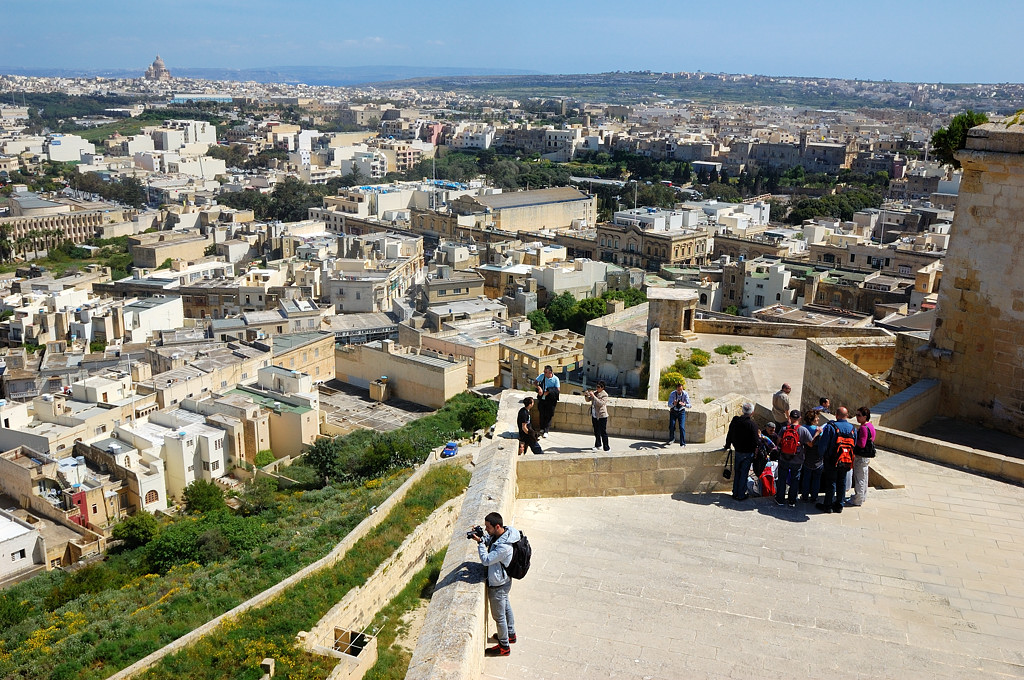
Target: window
point(778, 296)
point(206, 466)
point(853, 258)
point(218, 444)
point(732, 295)
point(215, 465)
point(759, 301)
point(152, 496)
point(95, 510)
point(639, 354)
point(18, 555)
point(191, 468)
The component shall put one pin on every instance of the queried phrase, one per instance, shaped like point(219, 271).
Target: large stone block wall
point(455, 629)
point(975, 349)
point(828, 374)
point(645, 473)
point(645, 419)
point(794, 331)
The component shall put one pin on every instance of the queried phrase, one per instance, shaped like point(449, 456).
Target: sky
point(903, 40)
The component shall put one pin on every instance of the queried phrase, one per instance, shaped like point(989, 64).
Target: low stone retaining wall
point(267, 595)
point(964, 457)
point(794, 331)
point(641, 418)
point(644, 473)
point(454, 634)
point(356, 610)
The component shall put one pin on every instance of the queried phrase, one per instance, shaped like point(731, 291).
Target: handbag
point(727, 470)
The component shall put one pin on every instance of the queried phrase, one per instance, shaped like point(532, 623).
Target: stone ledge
point(962, 457)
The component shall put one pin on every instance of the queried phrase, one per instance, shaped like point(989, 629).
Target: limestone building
point(157, 70)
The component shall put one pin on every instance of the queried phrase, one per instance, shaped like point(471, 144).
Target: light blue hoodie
point(498, 556)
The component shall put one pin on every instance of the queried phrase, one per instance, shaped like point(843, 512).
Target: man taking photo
point(496, 553)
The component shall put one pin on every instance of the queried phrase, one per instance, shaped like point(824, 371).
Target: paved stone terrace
point(922, 582)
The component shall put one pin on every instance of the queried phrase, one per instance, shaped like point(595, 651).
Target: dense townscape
point(236, 317)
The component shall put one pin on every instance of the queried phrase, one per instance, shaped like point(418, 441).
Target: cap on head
point(794, 414)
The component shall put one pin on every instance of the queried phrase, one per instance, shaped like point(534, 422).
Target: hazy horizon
point(905, 42)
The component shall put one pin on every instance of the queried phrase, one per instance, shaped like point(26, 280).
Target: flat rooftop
point(919, 583)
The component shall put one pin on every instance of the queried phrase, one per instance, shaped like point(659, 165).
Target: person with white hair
point(743, 437)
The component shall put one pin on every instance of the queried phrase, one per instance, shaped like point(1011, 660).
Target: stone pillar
point(979, 326)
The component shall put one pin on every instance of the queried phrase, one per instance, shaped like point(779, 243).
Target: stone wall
point(455, 630)
point(654, 365)
point(645, 419)
point(793, 331)
point(644, 473)
point(828, 374)
point(356, 610)
point(963, 457)
point(909, 409)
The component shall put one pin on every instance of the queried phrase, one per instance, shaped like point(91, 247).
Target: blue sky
point(898, 40)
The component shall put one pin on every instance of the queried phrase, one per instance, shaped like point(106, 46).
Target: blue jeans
point(790, 472)
point(740, 474)
point(501, 610)
point(810, 482)
point(673, 418)
point(834, 480)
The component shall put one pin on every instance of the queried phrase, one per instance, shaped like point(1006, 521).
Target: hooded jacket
point(496, 554)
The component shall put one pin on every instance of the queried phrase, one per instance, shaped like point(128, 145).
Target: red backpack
point(844, 449)
point(789, 444)
point(767, 481)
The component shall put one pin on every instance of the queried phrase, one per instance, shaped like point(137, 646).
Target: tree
point(539, 321)
point(137, 530)
point(590, 308)
point(323, 457)
point(561, 311)
point(202, 496)
point(948, 140)
point(258, 495)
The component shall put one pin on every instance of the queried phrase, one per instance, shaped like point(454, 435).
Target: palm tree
point(6, 250)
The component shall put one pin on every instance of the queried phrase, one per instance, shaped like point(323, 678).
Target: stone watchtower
point(673, 311)
point(977, 347)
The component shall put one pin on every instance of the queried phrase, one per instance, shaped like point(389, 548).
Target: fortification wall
point(827, 373)
point(794, 331)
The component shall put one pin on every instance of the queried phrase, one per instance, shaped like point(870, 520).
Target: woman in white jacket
point(598, 399)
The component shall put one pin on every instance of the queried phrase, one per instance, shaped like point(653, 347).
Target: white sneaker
point(544, 435)
point(597, 448)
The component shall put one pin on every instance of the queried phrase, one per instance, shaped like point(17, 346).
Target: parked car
point(450, 449)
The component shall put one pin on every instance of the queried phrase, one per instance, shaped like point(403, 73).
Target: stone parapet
point(963, 457)
point(626, 475)
point(645, 419)
point(454, 634)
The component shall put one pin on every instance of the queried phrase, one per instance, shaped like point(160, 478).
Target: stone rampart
point(793, 331)
point(654, 364)
point(645, 419)
point(339, 552)
point(356, 610)
point(455, 632)
point(827, 372)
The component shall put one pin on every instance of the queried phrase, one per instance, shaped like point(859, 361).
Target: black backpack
point(521, 554)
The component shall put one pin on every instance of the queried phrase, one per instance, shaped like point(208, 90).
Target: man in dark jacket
point(743, 437)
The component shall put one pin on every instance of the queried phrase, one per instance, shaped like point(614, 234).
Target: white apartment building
point(767, 285)
point(62, 148)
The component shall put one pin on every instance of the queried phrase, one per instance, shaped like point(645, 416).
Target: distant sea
point(337, 76)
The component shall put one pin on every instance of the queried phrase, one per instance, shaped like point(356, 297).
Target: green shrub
point(708, 400)
point(699, 357)
point(669, 379)
point(202, 496)
point(687, 368)
point(264, 457)
point(210, 538)
point(728, 350)
point(137, 530)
